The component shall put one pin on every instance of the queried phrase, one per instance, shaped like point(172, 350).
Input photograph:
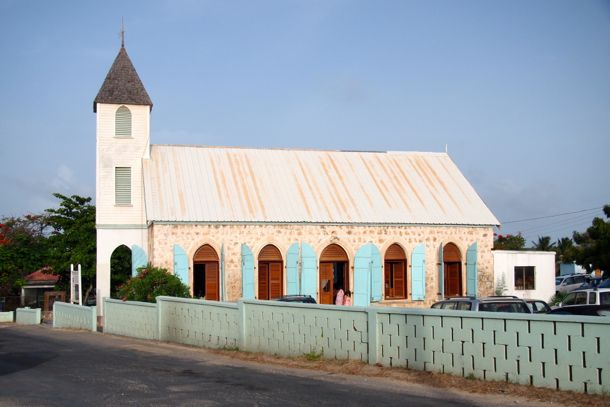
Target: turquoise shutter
point(309, 277)
point(292, 263)
point(138, 259)
point(362, 273)
point(181, 264)
point(376, 274)
point(441, 272)
point(418, 273)
point(471, 270)
point(247, 273)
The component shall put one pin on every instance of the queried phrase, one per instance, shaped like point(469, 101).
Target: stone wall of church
point(230, 237)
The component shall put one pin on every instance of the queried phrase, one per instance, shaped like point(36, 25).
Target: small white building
point(526, 274)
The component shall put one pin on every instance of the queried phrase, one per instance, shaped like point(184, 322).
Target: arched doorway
point(120, 268)
point(270, 273)
point(205, 273)
point(395, 273)
point(452, 263)
point(334, 273)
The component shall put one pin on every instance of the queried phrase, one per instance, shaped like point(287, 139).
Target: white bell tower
point(122, 108)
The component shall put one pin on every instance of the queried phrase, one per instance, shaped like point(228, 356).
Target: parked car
point(590, 296)
point(565, 284)
point(305, 299)
point(490, 304)
point(594, 310)
point(538, 306)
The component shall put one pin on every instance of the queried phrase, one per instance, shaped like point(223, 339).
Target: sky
point(517, 91)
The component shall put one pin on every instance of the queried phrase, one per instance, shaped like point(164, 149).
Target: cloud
point(34, 194)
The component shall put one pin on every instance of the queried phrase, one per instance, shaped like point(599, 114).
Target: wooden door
point(263, 281)
point(326, 283)
point(453, 279)
point(211, 281)
point(275, 280)
point(395, 281)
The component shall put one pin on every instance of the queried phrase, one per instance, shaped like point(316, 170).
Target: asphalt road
point(41, 366)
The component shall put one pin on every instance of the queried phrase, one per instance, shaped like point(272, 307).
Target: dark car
point(489, 304)
point(538, 306)
point(305, 299)
point(594, 310)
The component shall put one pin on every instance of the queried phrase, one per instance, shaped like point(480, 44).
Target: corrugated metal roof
point(222, 184)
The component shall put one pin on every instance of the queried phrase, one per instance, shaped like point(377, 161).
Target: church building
point(392, 228)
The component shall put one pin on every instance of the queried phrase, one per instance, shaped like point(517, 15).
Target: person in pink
point(339, 298)
point(347, 299)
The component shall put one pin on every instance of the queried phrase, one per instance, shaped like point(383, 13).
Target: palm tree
point(563, 247)
point(544, 244)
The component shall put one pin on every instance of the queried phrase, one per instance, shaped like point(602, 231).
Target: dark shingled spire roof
point(122, 85)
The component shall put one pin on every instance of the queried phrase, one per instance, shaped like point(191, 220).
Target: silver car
point(570, 283)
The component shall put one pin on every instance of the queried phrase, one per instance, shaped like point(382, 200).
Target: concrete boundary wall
point(28, 316)
point(132, 318)
point(210, 324)
point(72, 316)
point(559, 352)
point(297, 329)
point(7, 316)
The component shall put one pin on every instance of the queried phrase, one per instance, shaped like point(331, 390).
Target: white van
point(591, 296)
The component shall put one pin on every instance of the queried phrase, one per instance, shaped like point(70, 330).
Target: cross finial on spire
point(122, 33)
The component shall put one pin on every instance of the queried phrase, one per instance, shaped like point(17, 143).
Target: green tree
point(23, 250)
point(73, 239)
point(592, 250)
point(509, 242)
point(544, 244)
point(151, 282)
point(563, 248)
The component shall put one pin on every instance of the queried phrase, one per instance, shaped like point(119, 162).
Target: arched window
point(122, 122)
point(395, 274)
point(270, 273)
point(206, 278)
point(334, 273)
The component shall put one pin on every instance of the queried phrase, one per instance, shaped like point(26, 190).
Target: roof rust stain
point(342, 180)
point(457, 183)
point(227, 197)
point(220, 181)
point(336, 197)
point(390, 170)
point(373, 176)
point(180, 191)
point(364, 191)
point(424, 176)
point(382, 180)
point(313, 188)
point(238, 180)
point(257, 189)
point(442, 184)
point(408, 181)
point(301, 194)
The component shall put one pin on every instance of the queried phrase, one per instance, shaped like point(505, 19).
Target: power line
point(551, 216)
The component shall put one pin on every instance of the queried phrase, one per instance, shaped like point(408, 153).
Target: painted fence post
point(243, 338)
point(160, 331)
point(373, 335)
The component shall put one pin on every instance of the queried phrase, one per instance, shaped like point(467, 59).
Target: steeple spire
point(122, 33)
point(122, 84)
